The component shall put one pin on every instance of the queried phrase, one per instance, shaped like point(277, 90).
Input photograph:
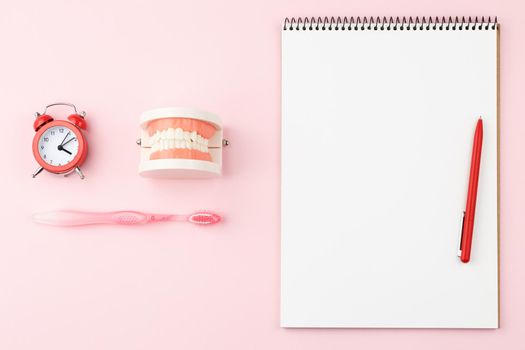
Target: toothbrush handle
point(79, 218)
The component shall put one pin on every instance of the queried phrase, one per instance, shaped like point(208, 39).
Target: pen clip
point(461, 234)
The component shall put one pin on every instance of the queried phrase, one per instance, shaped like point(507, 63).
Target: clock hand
point(61, 148)
point(68, 141)
point(61, 143)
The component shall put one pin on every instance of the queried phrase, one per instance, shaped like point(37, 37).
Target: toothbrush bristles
point(204, 218)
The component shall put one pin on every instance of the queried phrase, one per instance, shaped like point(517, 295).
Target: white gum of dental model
point(165, 152)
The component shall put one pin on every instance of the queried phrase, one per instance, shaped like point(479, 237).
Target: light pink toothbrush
point(80, 218)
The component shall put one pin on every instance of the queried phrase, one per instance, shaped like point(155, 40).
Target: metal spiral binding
point(390, 23)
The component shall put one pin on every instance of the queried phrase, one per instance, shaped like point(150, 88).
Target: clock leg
point(79, 172)
point(38, 171)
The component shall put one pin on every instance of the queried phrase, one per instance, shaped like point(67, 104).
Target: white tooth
point(193, 136)
point(177, 143)
point(154, 148)
point(186, 136)
point(171, 133)
point(206, 142)
point(179, 133)
point(188, 144)
point(172, 143)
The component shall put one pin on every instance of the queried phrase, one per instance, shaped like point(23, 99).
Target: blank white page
point(377, 133)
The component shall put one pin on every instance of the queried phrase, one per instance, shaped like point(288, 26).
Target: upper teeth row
point(178, 138)
point(179, 134)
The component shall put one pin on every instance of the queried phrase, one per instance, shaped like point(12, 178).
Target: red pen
point(470, 208)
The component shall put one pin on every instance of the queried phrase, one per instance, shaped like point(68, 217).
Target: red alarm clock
point(59, 146)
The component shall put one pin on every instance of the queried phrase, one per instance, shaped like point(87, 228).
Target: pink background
point(174, 286)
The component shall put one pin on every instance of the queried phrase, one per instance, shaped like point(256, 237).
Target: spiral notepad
point(378, 116)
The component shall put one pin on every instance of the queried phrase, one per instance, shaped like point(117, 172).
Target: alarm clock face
point(59, 147)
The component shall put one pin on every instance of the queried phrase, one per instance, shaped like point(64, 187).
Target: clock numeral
point(46, 139)
point(45, 156)
point(42, 147)
point(61, 130)
point(52, 133)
